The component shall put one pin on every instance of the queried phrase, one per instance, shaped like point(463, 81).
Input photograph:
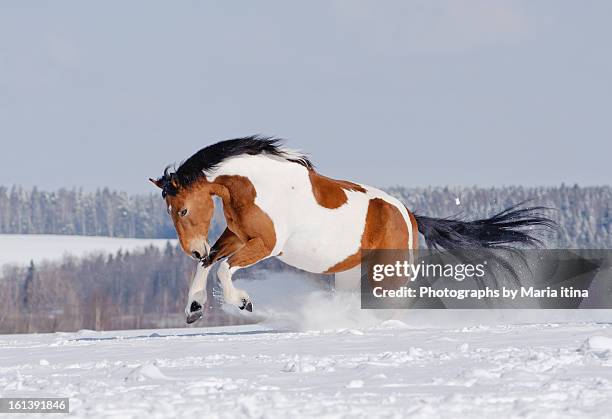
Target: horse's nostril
point(196, 255)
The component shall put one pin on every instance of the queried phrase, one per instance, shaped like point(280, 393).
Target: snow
point(599, 345)
point(21, 249)
point(390, 370)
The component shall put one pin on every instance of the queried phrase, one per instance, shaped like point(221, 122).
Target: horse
point(276, 204)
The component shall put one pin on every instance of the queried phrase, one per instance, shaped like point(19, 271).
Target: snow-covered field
point(21, 248)
point(388, 370)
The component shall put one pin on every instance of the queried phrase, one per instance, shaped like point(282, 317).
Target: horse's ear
point(174, 182)
point(157, 182)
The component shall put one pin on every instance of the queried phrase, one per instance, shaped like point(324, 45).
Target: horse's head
point(191, 208)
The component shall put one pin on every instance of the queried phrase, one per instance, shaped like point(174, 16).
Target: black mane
point(207, 159)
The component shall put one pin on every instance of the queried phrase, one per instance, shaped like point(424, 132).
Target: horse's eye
point(183, 212)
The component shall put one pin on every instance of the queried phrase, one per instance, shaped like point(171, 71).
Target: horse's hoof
point(194, 316)
point(195, 306)
point(195, 312)
point(246, 305)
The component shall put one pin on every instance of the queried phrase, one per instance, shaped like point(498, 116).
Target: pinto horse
point(276, 204)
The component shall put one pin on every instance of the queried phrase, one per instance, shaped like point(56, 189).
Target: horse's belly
point(313, 256)
point(326, 237)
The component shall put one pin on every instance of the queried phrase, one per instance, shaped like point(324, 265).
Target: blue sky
point(414, 93)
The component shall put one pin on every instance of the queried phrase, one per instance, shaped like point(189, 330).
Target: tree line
point(584, 214)
point(100, 213)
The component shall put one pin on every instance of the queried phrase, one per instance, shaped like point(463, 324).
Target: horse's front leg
point(252, 252)
point(197, 294)
point(227, 243)
point(231, 294)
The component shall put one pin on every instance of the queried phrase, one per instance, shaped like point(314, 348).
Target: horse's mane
point(205, 161)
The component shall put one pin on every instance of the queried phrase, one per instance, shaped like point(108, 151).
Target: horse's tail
point(513, 226)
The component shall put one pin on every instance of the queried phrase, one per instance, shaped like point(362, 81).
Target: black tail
point(504, 230)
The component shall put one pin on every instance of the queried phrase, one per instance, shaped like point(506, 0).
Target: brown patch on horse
point(227, 244)
point(348, 263)
point(252, 252)
point(385, 228)
point(330, 193)
point(244, 218)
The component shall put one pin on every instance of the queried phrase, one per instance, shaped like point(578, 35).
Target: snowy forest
point(100, 213)
point(584, 214)
point(147, 288)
